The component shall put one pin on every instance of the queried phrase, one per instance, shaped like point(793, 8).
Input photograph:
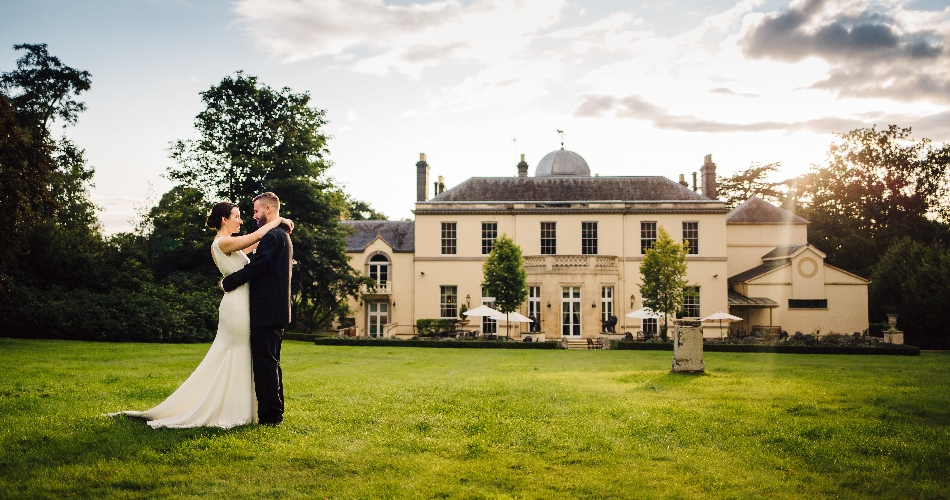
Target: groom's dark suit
point(268, 274)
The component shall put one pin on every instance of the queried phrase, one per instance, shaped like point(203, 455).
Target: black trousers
point(268, 377)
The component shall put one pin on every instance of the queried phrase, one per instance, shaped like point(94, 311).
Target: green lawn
point(371, 422)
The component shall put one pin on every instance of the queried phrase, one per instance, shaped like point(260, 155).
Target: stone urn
point(892, 335)
point(687, 347)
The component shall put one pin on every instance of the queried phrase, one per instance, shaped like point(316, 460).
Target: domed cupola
point(562, 162)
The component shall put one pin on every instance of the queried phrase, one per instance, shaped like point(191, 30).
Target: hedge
point(451, 344)
point(779, 349)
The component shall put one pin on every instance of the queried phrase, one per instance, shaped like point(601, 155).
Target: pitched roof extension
point(784, 251)
point(757, 210)
point(765, 268)
point(400, 235)
point(553, 189)
point(737, 299)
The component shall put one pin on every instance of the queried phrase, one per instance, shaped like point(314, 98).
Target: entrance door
point(571, 311)
point(378, 318)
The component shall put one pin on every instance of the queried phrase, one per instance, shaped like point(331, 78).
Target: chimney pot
point(708, 172)
point(522, 167)
point(422, 178)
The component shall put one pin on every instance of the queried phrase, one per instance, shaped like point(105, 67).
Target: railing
point(571, 263)
point(381, 288)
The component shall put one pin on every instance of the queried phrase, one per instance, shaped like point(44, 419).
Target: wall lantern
point(632, 300)
point(549, 303)
point(468, 300)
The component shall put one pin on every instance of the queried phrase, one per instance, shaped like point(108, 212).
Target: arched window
point(379, 272)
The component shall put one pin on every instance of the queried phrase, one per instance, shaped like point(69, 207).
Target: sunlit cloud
point(874, 49)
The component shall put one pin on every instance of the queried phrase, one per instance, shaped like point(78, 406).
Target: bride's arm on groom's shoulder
point(249, 241)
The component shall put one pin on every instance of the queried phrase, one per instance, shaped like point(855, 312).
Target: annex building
point(583, 238)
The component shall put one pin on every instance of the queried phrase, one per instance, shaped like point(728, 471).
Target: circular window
point(807, 267)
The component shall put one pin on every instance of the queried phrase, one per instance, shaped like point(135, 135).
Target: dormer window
point(379, 272)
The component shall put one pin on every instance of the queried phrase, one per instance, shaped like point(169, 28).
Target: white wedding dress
point(220, 392)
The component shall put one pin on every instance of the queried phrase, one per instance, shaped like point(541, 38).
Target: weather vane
point(561, 134)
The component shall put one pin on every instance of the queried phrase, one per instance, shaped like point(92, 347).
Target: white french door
point(571, 311)
point(378, 318)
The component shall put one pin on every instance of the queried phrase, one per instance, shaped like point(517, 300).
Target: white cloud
point(386, 38)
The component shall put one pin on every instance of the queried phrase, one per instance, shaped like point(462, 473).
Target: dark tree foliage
point(26, 168)
point(60, 277)
point(361, 210)
point(250, 134)
point(176, 235)
point(739, 187)
point(255, 139)
point(877, 187)
point(912, 280)
point(46, 88)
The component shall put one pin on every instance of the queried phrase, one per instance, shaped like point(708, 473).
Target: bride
point(220, 392)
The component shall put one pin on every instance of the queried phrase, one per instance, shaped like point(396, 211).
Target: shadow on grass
point(81, 456)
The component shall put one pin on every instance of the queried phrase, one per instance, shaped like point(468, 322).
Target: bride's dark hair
point(218, 211)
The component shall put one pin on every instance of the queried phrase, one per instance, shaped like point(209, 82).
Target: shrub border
point(778, 349)
point(450, 344)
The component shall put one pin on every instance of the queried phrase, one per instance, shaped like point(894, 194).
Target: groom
point(269, 276)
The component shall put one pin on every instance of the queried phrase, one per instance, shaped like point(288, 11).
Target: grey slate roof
point(784, 251)
point(756, 209)
point(400, 235)
point(737, 299)
point(755, 272)
point(578, 188)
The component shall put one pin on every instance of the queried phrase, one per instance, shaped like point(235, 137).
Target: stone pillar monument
point(687, 347)
point(892, 335)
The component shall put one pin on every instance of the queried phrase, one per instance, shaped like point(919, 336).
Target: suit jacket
point(268, 274)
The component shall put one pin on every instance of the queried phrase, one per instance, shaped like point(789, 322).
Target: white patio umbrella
point(643, 313)
point(515, 317)
point(484, 310)
point(721, 316)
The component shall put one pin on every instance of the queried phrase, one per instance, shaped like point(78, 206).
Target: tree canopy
point(504, 276)
point(254, 138)
point(664, 271)
point(46, 88)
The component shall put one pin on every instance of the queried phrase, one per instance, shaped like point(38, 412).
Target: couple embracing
point(244, 359)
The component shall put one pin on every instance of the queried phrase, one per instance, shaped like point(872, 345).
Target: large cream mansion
point(583, 238)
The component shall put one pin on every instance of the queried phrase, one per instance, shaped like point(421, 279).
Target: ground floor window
point(534, 308)
point(691, 302)
point(448, 301)
point(649, 326)
point(489, 326)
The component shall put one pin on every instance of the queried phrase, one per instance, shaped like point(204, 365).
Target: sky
point(639, 88)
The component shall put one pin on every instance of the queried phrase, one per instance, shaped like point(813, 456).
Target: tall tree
point(251, 134)
point(254, 138)
point(664, 277)
point(912, 280)
point(26, 169)
point(47, 88)
point(504, 276)
point(877, 187)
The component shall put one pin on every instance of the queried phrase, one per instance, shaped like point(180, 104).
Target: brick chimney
point(422, 178)
point(708, 171)
point(523, 167)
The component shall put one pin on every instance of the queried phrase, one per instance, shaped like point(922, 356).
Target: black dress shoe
point(272, 423)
